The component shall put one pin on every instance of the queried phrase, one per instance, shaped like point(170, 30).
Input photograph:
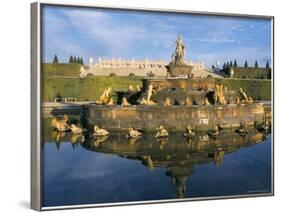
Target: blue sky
point(89, 32)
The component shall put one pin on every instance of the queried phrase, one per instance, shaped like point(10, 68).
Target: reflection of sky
point(122, 34)
point(80, 176)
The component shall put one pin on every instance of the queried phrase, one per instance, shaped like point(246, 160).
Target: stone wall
point(173, 117)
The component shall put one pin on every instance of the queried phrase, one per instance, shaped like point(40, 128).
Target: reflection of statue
point(242, 129)
point(60, 124)
point(219, 154)
point(75, 137)
point(57, 135)
point(132, 133)
point(75, 130)
point(214, 132)
point(162, 132)
point(189, 132)
point(99, 131)
point(125, 102)
point(105, 97)
point(149, 162)
point(99, 140)
point(162, 142)
point(178, 56)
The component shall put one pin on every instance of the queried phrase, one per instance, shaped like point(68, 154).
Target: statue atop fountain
point(177, 66)
point(178, 56)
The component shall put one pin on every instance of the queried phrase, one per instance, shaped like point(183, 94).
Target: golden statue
point(131, 88)
point(60, 125)
point(250, 100)
point(218, 94)
point(132, 133)
point(125, 102)
point(75, 130)
point(105, 97)
point(162, 132)
point(138, 88)
point(167, 102)
point(147, 100)
point(99, 132)
point(207, 102)
point(244, 95)
point(110, 102)
point(143, 101)
point(237, 100)
point(187, 102)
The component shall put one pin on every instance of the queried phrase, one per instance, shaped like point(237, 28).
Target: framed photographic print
point(139, 105)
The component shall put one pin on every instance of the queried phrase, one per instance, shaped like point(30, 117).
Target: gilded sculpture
point(105, 97)
point(125, 102)
point(218, 95)
point(60, 125)
point(133, 133)
point(187, 102)
point(162, 132)
point(99, 132)
point(167, 102)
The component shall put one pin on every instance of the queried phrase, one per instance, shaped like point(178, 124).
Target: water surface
point(87, 171)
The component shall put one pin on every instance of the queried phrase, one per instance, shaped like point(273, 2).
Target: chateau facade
point(141, 64)
point(122, 67)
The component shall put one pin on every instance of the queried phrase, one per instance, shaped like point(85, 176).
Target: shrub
point(132, 74)
point(112, 74)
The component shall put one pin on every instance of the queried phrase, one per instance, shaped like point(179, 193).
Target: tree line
point(72, 60)
point(234, 64)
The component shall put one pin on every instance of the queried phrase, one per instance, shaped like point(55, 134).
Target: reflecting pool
point(83, 170)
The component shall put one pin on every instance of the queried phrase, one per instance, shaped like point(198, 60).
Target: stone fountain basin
point(176, 117)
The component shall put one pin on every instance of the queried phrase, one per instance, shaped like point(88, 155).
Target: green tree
point(235, 63)
point(230, 64)
point(267, 65)
point(227, 64)
point(81, 61)
point(70, 59)
point(246, 64)
point(75, 60)
point(78, 60)
point(224, 66)
point(55, 60)
point(256, 64)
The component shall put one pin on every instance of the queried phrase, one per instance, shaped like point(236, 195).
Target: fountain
point(176, 101)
